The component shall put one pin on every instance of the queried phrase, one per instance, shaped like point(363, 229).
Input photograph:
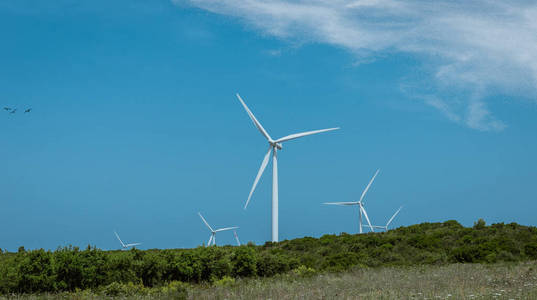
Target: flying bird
point(28, 110)
point(7, 108)
point(13, 111)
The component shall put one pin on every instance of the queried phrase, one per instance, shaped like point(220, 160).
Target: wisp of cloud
point(471, 48)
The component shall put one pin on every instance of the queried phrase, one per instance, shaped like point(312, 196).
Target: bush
point(36, 272)
point(175, 290)
point(225, 281)
point(244, 262)
point(480, 224)
point(531, 250)
point(116, 289)
point(304, 271)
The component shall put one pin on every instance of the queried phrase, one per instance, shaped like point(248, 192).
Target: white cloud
point(477, 48)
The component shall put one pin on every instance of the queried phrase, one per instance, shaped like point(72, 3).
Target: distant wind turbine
point(360, 204)
point(389, 221)
point(212, 239)
point(274, 146)
point(123, 245)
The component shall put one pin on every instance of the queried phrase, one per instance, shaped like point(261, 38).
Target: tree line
point(71, 268)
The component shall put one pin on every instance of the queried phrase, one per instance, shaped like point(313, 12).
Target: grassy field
point(455, 281)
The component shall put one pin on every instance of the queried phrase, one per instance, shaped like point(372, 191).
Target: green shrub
point(36, 272)
point(304, 271)
point(531, 250)
point(244, 262)
point(225, 281)
point(480, 224)
point(116, 289)
point(175, 290)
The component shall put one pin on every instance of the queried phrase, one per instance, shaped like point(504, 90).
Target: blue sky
point(135, 126)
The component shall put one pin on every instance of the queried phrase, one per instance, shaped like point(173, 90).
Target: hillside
point(70, 268)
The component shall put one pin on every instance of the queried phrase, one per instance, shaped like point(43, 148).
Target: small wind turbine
point(125, 246)
point(236, 237)
point(274, 146)
point(360, 204)
point(212, 239)
point(389, 221)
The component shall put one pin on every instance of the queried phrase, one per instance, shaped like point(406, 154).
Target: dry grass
point(458, 281)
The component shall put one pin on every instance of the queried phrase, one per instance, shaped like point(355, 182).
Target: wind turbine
point(360, 204)
point(389, 221)
point(274, 146)
point(125, 246)
point(212, 239)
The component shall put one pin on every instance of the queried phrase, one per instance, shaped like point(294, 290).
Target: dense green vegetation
point(70, 268)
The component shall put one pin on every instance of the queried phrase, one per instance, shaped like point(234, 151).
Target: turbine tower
point(360, 204)
point(125, 246)
point(389, 221)
point(274, 146)
point(212, 239)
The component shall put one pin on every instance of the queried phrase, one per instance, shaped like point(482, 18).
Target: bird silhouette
point(28, 110)
point(7, 108)
point(13, 111)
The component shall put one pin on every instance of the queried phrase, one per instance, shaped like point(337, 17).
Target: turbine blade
point(341, 203)
point(259, 173)
point(236, 237)
point(210, 239)
point(224, 229)
point(203, 219)
point(367, 218)
point(123, 245)
point(368, 185)
point(391, 219)
point(133, 244)
point(252, 117)
point(297, 135)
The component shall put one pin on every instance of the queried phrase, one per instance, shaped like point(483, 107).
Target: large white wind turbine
point(274, 146)
point(360, 204)
point(212, 239)
point(123, 245)
point(389, 221)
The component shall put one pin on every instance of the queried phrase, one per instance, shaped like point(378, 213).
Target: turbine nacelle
point(278, 146)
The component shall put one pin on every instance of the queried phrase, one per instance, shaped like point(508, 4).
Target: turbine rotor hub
point(278, 146)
